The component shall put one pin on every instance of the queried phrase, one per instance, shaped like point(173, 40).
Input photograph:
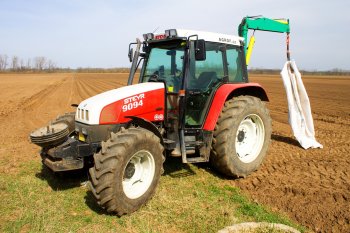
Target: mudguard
point(226, 92)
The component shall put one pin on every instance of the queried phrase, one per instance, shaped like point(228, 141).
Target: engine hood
point(133, 100)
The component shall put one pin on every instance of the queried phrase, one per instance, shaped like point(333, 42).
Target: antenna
point(155, 29)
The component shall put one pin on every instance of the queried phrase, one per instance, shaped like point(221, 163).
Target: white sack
point(300, 118)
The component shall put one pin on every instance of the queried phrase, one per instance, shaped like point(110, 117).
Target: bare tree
point(39, 63)
point(29, 64)
point(22, 66)
point(3, 61)
point(14, 63)
point(51, 65)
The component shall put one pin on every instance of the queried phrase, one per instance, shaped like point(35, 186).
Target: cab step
point(196, 160)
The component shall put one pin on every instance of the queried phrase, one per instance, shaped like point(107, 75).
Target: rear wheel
point(127, 170)
point(241, 136)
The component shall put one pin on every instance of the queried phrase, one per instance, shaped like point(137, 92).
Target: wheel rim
point(138, 174)
point(250, 138)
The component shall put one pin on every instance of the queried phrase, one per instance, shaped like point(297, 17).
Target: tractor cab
point(192, 65)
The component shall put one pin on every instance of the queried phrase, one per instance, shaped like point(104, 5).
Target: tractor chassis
point(70, 155)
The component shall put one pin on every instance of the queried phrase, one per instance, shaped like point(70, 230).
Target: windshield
point(165, 63)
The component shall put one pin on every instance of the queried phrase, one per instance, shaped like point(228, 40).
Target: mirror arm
point(134, 62)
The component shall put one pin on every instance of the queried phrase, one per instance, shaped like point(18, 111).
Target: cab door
point(223, 64)
point(204, 77)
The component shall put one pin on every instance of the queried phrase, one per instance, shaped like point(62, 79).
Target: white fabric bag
point(300, 118)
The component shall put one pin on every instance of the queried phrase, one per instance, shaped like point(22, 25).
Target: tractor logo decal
point(133, 102)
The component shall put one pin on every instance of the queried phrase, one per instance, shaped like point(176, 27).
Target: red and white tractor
point(193, 100)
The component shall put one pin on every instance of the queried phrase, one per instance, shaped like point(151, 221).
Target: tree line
point(43, 64)
point(334, 72)
point(16, 63)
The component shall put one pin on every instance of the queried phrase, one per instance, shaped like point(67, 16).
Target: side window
point(205, 74)
point(234, 63)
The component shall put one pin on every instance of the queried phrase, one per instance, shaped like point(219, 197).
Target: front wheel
point(127, 170)
point(241, 136)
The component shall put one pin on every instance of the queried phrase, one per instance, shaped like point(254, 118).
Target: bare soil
point(310, 186)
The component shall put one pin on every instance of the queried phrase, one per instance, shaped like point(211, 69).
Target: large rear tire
point(127, 170)
point(241, 136)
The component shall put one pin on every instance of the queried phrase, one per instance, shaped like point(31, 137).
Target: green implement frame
point(263, 24)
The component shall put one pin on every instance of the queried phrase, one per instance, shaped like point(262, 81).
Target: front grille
point(82, 114)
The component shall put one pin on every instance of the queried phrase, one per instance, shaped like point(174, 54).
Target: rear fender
point(228, 91)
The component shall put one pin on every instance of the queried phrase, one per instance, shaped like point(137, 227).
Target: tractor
point(192, 100)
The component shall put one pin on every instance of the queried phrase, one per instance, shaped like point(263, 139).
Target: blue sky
point(77, 33)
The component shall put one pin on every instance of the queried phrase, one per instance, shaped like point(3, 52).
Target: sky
point(88, 33)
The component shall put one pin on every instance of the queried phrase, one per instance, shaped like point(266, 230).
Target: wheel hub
point(249, 138)
point(138, 174)
point(129, 170)
point(240, 136)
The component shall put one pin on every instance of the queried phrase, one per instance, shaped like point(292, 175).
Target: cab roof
point(185, 33)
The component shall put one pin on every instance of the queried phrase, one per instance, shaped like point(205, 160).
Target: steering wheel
point(153, 78)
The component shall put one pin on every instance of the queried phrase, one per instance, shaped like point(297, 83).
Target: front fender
point(143, 123)
point(228, 91)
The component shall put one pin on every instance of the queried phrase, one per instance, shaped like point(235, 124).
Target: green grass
point(189, 198)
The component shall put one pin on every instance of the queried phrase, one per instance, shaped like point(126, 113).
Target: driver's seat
point(204, 79)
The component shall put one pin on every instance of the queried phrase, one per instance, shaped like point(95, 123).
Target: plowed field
point(310, 186)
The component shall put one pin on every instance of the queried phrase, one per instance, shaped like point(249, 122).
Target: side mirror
point(131, 54)
point(200, 52)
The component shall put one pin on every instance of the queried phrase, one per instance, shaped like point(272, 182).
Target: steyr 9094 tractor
point(192, 100)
